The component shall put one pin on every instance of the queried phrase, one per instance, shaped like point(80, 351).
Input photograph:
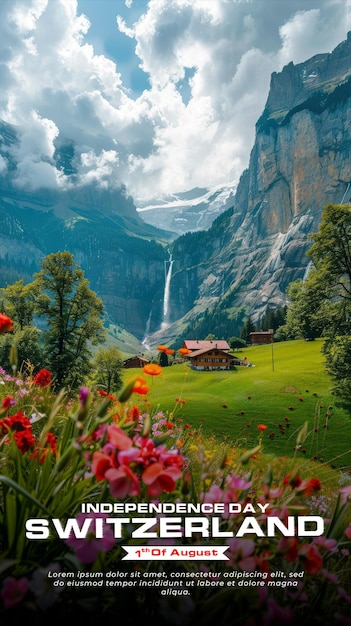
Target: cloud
point(209, 64)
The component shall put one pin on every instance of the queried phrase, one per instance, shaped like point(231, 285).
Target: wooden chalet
point(261, 337)
point(135, 361)
point(210, 359)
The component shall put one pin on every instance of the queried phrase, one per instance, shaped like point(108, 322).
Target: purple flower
point(83, 396)
point(88, 548)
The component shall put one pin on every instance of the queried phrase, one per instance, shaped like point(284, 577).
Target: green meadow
point(286, 386)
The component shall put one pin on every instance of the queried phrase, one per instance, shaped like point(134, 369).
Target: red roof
point(205, 351)
point(195, 344)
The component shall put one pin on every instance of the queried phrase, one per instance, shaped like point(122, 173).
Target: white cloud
point(219, 53)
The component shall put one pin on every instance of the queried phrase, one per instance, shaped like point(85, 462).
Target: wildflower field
point(88, 478)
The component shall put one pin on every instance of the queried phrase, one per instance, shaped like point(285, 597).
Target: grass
point(286, 387)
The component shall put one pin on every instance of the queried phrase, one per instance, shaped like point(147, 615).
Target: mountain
point(156, 282)
point(188, 211)
point(122, 256)
point(300, 161)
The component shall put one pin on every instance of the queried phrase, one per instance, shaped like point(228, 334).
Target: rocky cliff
point(300, 161)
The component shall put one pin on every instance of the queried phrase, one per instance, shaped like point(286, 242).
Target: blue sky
point(108, 40)
point(158, 95)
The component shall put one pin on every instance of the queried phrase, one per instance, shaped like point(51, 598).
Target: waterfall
point(345, 194)
point(307, 271)
point(168, 276)
point(147, 332)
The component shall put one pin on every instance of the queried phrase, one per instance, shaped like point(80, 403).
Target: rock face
point(300, 161)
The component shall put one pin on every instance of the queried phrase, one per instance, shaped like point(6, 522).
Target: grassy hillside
point(284, 388)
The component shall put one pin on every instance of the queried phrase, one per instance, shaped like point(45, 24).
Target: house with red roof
point(207, 344)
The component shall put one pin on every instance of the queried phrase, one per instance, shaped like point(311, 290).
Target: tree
point(324, 300)
point(108, 365)
point(19, 302)
point(163, 359)
point(331, 250)
point(303, 317)
point(236, 343)
point(73, 315)
point(249, 327)
point(29, 353)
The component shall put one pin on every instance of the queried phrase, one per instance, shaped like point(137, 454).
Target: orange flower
point(6, 323)
point(262, 427)
point(152, 369)
point(162, 348)
point(141, 386)
point(184, 351)
point(169, 351)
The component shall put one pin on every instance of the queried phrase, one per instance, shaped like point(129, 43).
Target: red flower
point(180, 401)
point(24, 440)
point(42, 378)
point(16, 422)
point(262, 427)
point(312, 559)
point(40, 454)
point(159, 478)
point(6, 323)
point(7, 402)
point(307, 487)
point(293, 481)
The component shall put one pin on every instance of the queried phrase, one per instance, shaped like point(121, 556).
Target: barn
point(135, 361)
point(262, 336)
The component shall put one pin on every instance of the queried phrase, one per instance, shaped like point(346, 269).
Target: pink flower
point(345, 494)
point(101, 463)
point(122, 482)
point(328, 544)
point(348, 531)
point(13, 591)
point(277, 614)
point(118, 438)
point(241, 553)
point(88, 548)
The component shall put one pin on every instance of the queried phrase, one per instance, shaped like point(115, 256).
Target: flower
point(307, 487)
point(162, 348)
point(158, 478)
point(262, 427)
point(6, 323)
point(311, 558)
point(88, 548)
point(13, 591)
point(184, 351)
point(140, 386)
point(7, 402)
point(152, 369)
point(83, 396)
point(42, 378)
point(123, 481)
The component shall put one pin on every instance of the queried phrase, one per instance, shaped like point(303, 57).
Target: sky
point(160, 96)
